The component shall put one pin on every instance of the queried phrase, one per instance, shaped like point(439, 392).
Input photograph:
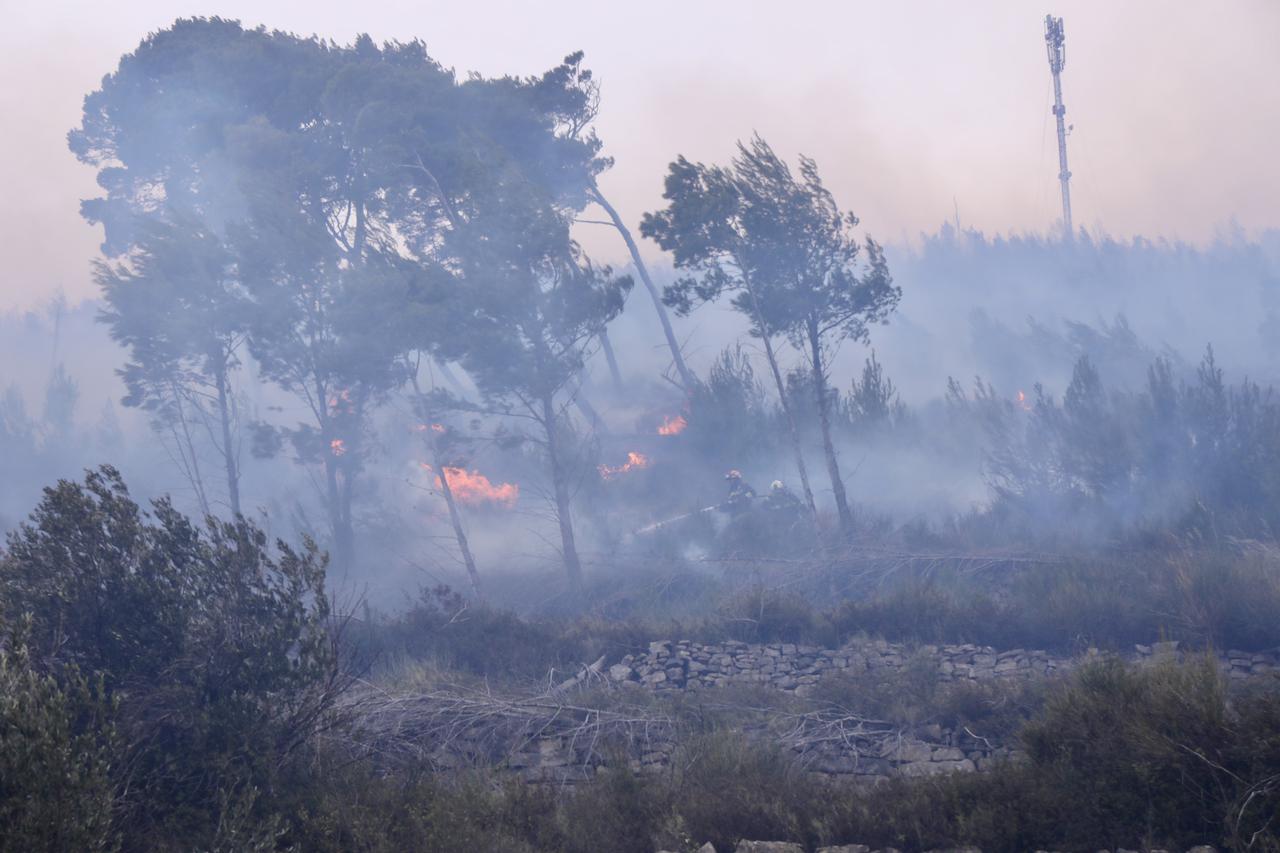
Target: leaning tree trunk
point(686, 377)
point(455, 517)
point(614, 373)
point(560, 487)
point(824, 418)
point(458, 533)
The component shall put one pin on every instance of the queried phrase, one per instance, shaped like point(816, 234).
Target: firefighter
point(781, 498)
point(740, 493)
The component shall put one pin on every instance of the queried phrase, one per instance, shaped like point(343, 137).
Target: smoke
point(1018, 311)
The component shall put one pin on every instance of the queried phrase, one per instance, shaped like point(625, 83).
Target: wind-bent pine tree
point(708, 228)
point(789, 255)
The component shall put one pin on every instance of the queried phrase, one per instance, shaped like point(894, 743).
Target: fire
point(472, 487)
point(1022, 402)
point(432, 427)
point(341, 403)
point(634, 462)
point(337, 447)
point(673, 425)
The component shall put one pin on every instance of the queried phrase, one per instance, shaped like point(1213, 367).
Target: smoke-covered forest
point(359, 479)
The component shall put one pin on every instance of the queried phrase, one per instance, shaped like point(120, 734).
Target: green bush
point(217, 654)
point(56, 746)
point(725, 788)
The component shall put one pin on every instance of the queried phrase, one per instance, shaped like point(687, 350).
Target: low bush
point(215, 652)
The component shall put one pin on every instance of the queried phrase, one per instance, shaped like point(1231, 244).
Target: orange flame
point(673, 425)
point(432, 427)
point(474, 488)
point(1023, 403)
point(634, 462)
point(341, 402)
point(337, 447)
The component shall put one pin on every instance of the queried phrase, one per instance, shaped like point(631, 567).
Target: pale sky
point(912, 109)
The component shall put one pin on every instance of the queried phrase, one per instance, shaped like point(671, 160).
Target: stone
point(934, 768)
point(621, 672)
point(707, 848)
point(768, 847)
point(908, 751)
point(846, 848)
point(834, 764)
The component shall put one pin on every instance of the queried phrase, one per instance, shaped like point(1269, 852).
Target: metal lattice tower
point(1055, 41)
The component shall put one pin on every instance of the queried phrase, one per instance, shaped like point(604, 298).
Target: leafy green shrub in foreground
point(215, 652)
point(56, 742)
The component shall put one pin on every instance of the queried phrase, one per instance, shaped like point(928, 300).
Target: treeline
point(344, 223)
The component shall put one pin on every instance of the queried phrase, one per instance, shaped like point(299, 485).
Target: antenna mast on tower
point(1055, 40)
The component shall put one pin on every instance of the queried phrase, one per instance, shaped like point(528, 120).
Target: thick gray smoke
point(1016, 312)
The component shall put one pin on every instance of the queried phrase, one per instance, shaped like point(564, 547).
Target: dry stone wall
point(685, 665)
point(563, 751)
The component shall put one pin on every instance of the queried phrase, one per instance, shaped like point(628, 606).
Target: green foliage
point(1204, 597)
point(873, 405)
point(728, 417)
point(57, 740)
point(760, 614)
point(725, 788)
point(217, 652)
point(444, 630)
point(1197, 456)
point(1159, 755)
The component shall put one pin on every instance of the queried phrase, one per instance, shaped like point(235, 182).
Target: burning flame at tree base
point(673, 425)
point(634, 462)
point(474, 488)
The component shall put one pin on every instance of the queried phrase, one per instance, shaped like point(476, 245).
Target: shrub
point(1159, 756)
point(725, 788)
point(56, 741)
point(217, 653)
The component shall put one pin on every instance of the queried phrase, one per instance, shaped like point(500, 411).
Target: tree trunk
point(338, 498)
point(455, 517)
point(346, 528)
point(824, 418)
point(686, 378)
point(561, 488)
point(463, 545)
point(607, 346)
point(792, 427)
point(228, 451)
point(337, 485)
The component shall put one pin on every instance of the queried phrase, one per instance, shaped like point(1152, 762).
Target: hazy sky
point(912, 109)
